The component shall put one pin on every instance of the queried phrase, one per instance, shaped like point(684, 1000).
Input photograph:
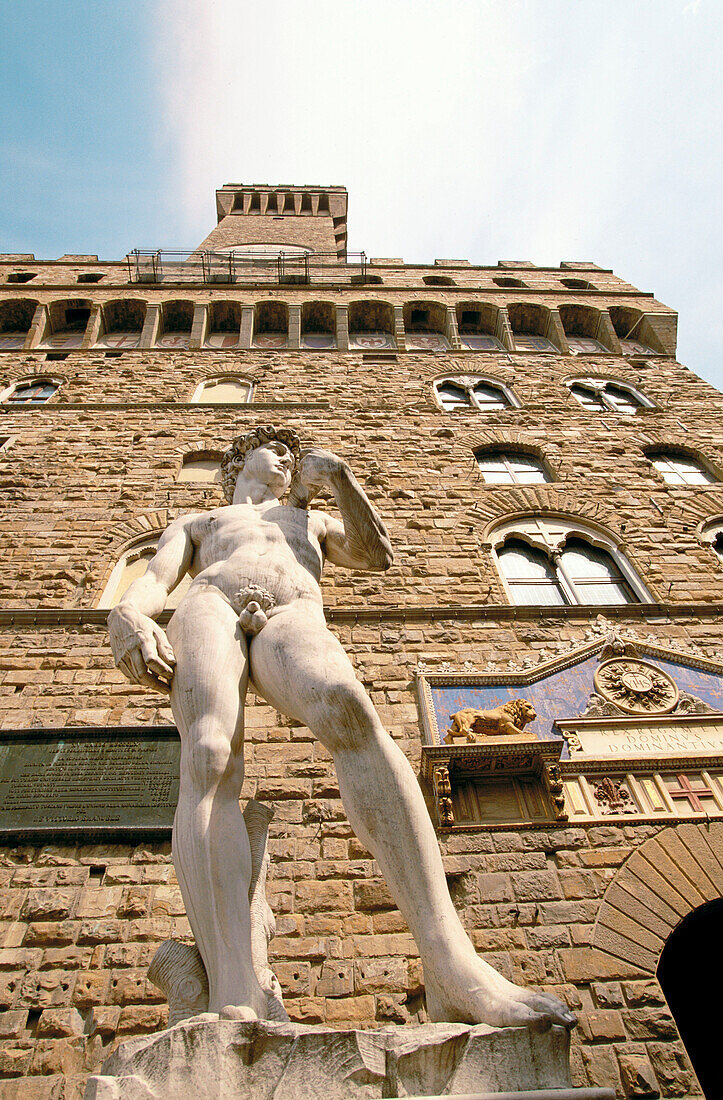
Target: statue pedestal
point(205, 1058)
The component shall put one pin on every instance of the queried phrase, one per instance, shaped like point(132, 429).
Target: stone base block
point(205, 1058)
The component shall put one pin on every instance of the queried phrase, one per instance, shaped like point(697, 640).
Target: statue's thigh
point(298, 666)
point(211, 672)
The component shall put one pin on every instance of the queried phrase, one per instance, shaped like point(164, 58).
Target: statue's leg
point(210, 844)
point(302, 670)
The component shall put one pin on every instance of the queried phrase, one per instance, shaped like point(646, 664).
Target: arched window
point(132, 565)
point(508, 281)
point(577, 284)
point(32, 391)
point(67, 323)
point(371, 325)
point(203, 467)
point(473, 392)
point(424, 326)
point(584, 329)
point(318, 325)
point(680, 469)
point(224, 325)
point(511, 468)
point(16, 318)
point(176, 325)
point(122, 323)
point(600, 395)
point(227, 389)
point(531, 578)
point(480, 326)
point(546, 562)
point(271, 325)
point(530, 324)
point(635, 331)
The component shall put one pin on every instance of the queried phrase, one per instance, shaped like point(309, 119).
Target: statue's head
point(243, 446)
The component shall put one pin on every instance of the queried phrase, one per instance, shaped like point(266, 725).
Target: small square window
point(21, 276)
point(91, 277)
point(56, 356)
point(420, 316)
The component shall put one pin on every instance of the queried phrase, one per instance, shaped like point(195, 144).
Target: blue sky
point(483, 129)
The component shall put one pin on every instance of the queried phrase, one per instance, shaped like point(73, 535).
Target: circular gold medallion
point(636, 687)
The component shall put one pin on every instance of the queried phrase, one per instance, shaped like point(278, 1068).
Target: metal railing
point(279, 268)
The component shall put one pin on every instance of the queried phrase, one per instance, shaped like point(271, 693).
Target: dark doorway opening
point(690, 966)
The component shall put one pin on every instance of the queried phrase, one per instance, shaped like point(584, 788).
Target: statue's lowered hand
point(141, 649)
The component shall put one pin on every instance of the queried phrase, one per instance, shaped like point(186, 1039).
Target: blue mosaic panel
point(562, 695)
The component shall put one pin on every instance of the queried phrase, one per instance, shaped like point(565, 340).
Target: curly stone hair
point(234, 458)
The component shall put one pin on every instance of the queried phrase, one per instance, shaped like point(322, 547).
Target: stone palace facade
point(552, 481)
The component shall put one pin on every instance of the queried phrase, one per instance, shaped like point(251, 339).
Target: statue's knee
point(209, 758)
point(349, 718)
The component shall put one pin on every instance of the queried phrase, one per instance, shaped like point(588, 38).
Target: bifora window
point(680, 469)
point(510, 468)
point(476, 393)
point(600, 396)
point(547, 563)
point(34, 392)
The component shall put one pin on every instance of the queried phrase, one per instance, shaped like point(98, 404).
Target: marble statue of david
point(254, 613)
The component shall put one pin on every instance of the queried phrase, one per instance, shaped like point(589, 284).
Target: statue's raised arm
point(361, 541)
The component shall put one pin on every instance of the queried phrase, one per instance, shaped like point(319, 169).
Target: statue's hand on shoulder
point(141, 649)
point(317, 468)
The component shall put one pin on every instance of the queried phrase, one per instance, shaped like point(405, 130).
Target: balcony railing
point(279, 268)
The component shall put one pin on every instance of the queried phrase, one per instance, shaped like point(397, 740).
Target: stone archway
point(662, 913)
point(665, 879)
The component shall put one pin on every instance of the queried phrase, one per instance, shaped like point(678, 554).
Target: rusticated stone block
point(373, 894)
point(637, 1076)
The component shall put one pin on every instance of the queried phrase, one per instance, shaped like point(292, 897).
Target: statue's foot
point(237, 1012)
point(473, 993)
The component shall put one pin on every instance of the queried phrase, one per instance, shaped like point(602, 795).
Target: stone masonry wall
point(87, 471)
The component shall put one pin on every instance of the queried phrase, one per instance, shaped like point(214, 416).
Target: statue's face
point(272, 464)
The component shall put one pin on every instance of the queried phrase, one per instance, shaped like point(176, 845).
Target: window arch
point(425, 325)
point(224, 325)
point(67, 322)
point(438, 280)
point(464, 391)
point(271, 325)
point(577, 284)
point(176, 325)
point(584, 329)
point(712, 535)
point(223, 389)
point(318, 325)
point(607, 395)
point(480, 326)
point(371, 325)
point(30, 391)
point(680, 468)
point(634, 331)
point(201, 467)
point(16, 317)
point(511, 467)
point(547, 562)
point(122, 323)
point(531, 326)
point(508, 281)
point(131, 565)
